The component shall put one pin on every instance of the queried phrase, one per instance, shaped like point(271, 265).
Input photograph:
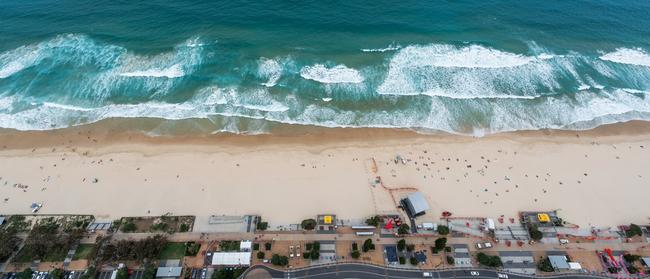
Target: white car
point(474, 273)
point(484, 245)
point(502, 276)
point(427, 274)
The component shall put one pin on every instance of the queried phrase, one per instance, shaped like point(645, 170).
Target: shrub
point(256, 246)
point(491, 261)
point(267, 246)
point(373, 221)
point(441, 243)
point(632, 269)
point(306, 255)
point(545, 265)
point(57, 273)
point(128, 226)
point(402, 260)
point(279, 260)
point(367, 245)
point(443, 230)
point(355, 246)
point(356, 254)
point(413, 261)
point(184, 228)
point(122, 273)
point(401, 244)
point(316, 246)
point(150, 272)
point(410, 247)
point(260, 255)
point(308, 246)
point(25, 274)
point(404, 229)
point(633, 231)
point(314, 255)
point(308, 224)
point(159, 227)
point(631, 258)
point(262, 226)
point(450, 260)
point(9, 243)
point(228, 273)
point(192, 248)
point(535, 234)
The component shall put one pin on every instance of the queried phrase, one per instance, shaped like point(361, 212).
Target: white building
point(231, 258)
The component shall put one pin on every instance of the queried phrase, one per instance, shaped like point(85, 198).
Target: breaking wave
point(336, 74)
point(472, 89)
point(628, 56)
point(174, 71)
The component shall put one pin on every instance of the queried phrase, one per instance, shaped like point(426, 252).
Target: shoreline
point(111, 132)
point(287, 178)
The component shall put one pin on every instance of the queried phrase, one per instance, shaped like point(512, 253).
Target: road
point(364, 271)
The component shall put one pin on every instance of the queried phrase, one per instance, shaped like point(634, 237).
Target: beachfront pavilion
point(415, 204)
point(326, 223)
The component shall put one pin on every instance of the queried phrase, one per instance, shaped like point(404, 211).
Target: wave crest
point(628, 56)
point(336, 74)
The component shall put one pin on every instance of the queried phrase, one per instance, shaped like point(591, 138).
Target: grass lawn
point(173, 250)
point(23, 256)
point(83, 251)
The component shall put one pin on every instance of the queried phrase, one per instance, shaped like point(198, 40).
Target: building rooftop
point(245, 245)
point(174, 271)
point(559, 262)
point(231, 258)
point(417, 203)
point(515, 253)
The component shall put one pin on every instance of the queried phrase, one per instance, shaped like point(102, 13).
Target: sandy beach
point(594, 178)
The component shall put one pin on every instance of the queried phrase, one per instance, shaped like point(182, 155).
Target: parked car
point(427, 274)
point(502, 276)
point(474, 273)
point(484, 245)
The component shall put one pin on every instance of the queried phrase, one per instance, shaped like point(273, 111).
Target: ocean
point(455, 66)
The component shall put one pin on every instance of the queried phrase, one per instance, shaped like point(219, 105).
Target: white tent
point(231, 258)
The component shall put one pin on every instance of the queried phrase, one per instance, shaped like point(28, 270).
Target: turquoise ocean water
point(465, 67)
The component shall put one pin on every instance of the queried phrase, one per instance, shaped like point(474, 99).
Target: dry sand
point(594, 178)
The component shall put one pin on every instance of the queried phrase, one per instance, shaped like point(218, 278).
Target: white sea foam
point(496, 96)
point(583, 87)
point(271, 70)
point(337, 74)
point(11, 68)
point(326, 99)
point(175, 71)
point(472, 72)
point(636, 56)
point(390, 47)
point(635, 91)
point(473, 56)
point(14, 61)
